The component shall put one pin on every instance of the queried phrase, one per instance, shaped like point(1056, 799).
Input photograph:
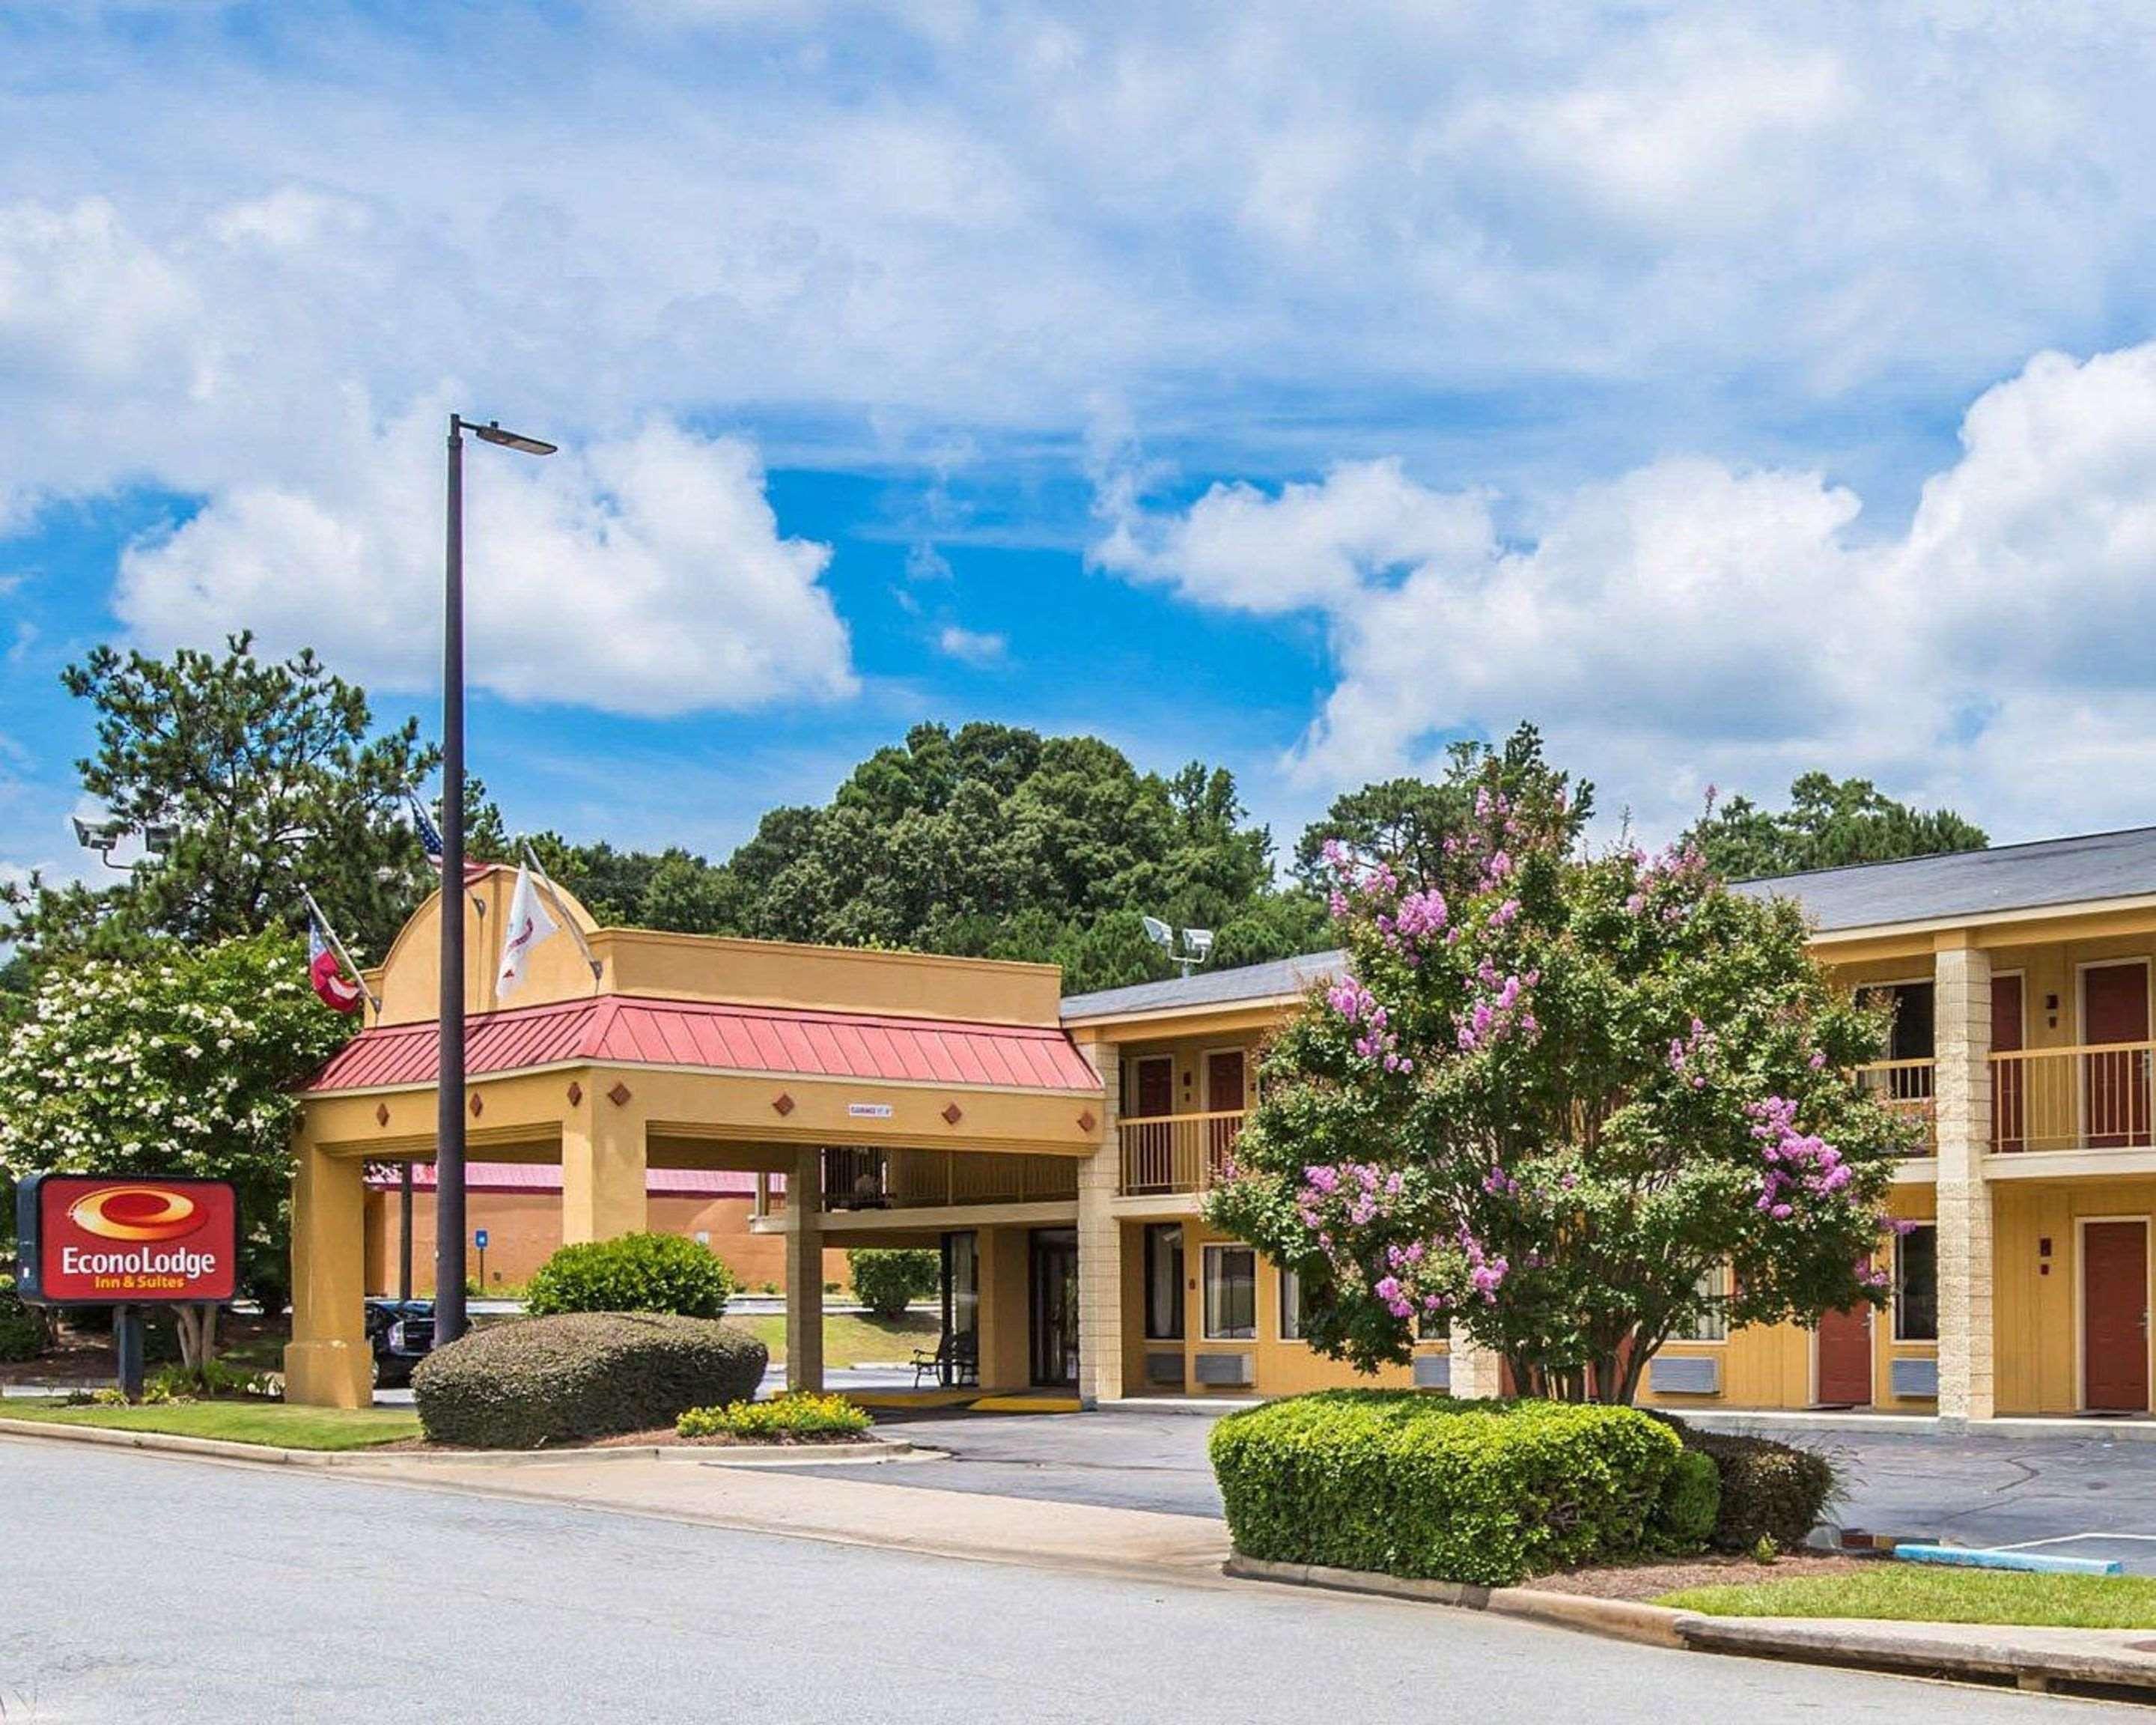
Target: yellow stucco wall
point(2037, 1315)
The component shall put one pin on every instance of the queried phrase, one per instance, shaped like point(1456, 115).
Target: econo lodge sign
point(90, 1241)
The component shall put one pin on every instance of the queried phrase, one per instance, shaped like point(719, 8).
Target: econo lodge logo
point(136, 1212)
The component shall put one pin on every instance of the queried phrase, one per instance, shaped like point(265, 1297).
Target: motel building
point(1057, 1151)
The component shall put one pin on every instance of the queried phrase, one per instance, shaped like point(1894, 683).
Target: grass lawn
point(852, 1339)
point(1917, 1593)
point(240, 1422)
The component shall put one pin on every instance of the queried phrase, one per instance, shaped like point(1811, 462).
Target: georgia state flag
point(338, 991)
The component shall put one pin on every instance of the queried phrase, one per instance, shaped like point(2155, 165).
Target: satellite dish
point(1159, 933)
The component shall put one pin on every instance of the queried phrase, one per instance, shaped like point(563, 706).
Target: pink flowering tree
point(1567, 1103)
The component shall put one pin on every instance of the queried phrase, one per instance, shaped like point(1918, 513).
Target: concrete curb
point(1621, 1620)
point(2037, 1658)
point(377, 1457)
point(2106, 1660)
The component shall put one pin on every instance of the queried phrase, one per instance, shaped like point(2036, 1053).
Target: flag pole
point(554, 898)
point(336, 945)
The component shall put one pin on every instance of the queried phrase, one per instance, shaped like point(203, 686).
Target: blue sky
point(1732, 391)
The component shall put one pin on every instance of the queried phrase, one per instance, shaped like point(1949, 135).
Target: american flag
point(430, 841)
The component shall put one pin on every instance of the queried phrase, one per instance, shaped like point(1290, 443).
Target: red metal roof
point(630, 1030)
point(547, 1177)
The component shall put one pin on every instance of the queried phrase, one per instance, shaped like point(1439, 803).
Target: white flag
point(529, 924)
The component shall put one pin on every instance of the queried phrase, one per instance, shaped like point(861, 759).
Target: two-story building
point(1057, 1153)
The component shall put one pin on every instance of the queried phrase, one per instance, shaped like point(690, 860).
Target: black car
point(401, 1332)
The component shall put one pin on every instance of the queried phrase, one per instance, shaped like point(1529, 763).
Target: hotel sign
point(85, 1240)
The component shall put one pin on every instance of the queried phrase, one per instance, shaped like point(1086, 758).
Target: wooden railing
point(915, 1179)
point(1906, 1087)
point(2096, 1096)
point(1176, 1152)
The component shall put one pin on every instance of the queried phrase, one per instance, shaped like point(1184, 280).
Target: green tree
point(1416, 826)
point(1830, 823)
point(180, 1062)
point(269, 773)
point(1572, 1104)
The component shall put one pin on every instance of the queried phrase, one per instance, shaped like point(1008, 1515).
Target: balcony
point(923, 1179)
point(1176, 1152)
point(1905, 1087)
point(2092, 1098)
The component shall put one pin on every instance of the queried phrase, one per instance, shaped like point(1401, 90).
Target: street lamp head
point(98, 835)
point(492, 433)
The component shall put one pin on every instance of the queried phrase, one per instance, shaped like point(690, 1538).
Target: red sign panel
point(92, 1241)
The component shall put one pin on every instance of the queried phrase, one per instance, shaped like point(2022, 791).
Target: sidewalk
point(955, 1524)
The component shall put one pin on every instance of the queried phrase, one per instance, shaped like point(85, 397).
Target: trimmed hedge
point(586, 1374)
point(23, 1331)
point(1405, 1483)
point(888, 1279)
point(1768, 1489)
point(1691, 1505)
point(632, 1272)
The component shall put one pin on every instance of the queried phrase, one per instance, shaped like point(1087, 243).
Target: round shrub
point(1408, 1484)
point(633, 1272)
point(1773, 1490)
point(1691, 1502)
point(586, 1374)
point(23, 1332)
point(888, 1282)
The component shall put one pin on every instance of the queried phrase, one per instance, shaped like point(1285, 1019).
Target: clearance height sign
point(90, 1241)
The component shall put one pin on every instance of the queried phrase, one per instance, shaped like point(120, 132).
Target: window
point(1433, 1327)
point(1231, 1293)
point(1163, 1281)
point(1712, 1324)
point(1295, 1302)
point(1917, 1285)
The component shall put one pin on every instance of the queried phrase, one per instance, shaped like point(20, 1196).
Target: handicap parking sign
point(479, 1237)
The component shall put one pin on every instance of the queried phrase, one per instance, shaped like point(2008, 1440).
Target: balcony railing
point(916, 1179)
point(1176, 1152)
point(2093, 1097)
point(1906, 1087)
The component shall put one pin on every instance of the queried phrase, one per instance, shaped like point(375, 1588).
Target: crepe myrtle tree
point(1569, 1103)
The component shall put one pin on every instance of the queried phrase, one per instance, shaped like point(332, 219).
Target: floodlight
point(1197, 943)
point(98, 835)
point(160, 838)
point(1156, 930)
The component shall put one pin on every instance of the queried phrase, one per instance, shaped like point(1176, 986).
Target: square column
point(1478, 1373)
point(1962, 1102)
point(327, 1363)
point(602, 1166)
point(805, 1271)
point(1100, 1242)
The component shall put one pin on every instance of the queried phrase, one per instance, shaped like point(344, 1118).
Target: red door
point(1224, 1095)
point(2009, 1082)
point(1844, 1359)
point(2115, 1316)
point(2115, 1083)
point(1149, 1138)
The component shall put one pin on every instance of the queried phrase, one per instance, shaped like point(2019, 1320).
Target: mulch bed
point(1650, 1581)
point(662, 1436)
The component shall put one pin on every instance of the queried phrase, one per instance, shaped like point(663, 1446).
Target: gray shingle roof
point(1210, 988)
point(1973, 883)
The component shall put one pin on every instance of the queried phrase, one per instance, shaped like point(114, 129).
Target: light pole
point(449, 1079)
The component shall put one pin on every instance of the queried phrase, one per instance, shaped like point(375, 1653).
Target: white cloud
point(1690, 623)
point(969, 647)
point(644, 574)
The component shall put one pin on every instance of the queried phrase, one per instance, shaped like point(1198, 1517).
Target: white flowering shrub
point(182, 1062)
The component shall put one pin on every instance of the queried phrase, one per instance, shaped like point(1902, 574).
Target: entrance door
point(1053, 1274)
point(2010, 1079)
point(2115, 1316)
point(1844, 1359)
point(1224, 1095)
point(2115, 1083)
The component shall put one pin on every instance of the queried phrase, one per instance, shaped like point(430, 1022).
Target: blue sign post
point(478, 1240)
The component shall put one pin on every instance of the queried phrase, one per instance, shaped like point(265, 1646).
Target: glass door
point(1053, 1274)
point(959, 1358)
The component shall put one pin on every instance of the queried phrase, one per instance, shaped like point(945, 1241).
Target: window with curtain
point(1231, 1293)
point(1164, 1282)
point(1917, 1285)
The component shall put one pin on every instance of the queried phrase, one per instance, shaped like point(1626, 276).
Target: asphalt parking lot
point(2085, 1496)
